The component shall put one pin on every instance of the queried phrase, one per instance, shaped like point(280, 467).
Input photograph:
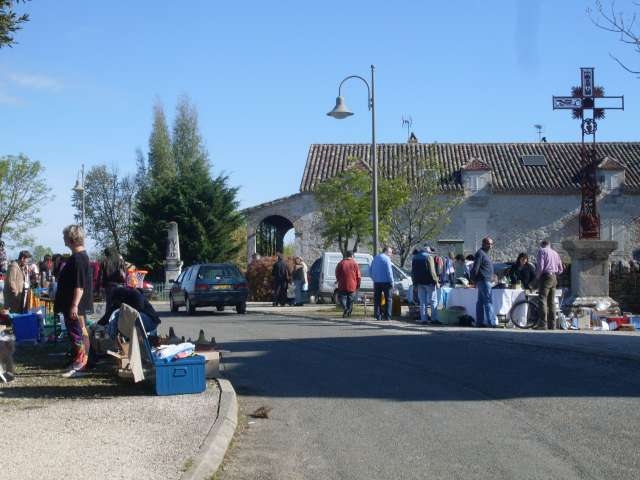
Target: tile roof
point(508, 174)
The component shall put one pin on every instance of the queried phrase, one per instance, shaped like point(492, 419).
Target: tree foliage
point(424, 210)
point(10, 22)
point(109, 203)
point(346, 205)
point(623, 25)
point(161, 164)
point(23, 190)
point(204, 207)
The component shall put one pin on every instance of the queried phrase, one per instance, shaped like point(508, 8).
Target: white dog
point(7, 347)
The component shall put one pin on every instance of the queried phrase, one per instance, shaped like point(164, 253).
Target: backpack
point(439, 263)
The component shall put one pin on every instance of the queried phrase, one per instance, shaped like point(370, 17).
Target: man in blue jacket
point(481, 275)
point(382, 276)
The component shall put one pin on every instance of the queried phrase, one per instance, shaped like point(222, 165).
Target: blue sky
point(80, 85)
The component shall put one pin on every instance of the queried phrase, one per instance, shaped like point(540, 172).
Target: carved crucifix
point(590, 99)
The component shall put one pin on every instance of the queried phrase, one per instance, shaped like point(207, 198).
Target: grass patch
point(188, 463)
point(39, 370)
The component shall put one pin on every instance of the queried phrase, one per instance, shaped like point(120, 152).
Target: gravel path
point(124, 437)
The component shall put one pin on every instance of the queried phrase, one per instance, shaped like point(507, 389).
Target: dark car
point(209, 285)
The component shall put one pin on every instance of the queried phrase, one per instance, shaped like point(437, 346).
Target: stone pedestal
point(589, 271)
point(172, 263)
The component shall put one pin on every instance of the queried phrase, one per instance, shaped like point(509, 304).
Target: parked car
point(323, 284)
point(209, 285)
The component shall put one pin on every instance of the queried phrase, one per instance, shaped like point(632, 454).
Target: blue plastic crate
point(185, 375)
point(26, 327)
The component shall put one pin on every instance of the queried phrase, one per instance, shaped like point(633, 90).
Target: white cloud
point(6, 99)
point(38, 82)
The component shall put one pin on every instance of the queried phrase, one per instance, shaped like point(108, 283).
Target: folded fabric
point(168, 352)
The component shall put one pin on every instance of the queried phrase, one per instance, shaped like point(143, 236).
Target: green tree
point(189, 152)
point(162, 166)
point(10, 22)
point(38, 252)
point(23, 189)
point(109, 200)
point(423, 210)
point(345, 208)
point(205, 208)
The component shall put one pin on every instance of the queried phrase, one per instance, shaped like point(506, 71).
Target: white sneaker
point(74, 374)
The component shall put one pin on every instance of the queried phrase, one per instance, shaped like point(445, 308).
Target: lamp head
point(78, 187)
point(340, 110)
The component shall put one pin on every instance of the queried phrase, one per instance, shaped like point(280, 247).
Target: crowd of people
point(70, 281)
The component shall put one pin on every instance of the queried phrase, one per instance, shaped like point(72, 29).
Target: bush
point(259, 278)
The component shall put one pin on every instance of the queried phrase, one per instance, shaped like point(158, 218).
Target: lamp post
point(79, 189)
point(341, 111)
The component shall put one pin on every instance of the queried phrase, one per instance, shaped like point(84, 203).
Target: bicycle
point(525, 313)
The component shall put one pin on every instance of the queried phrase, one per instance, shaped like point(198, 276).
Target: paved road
point(352, 401)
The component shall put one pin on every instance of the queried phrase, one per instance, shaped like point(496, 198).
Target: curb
point(213, 448)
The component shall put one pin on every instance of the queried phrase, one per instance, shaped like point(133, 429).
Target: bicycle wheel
point(524, 313)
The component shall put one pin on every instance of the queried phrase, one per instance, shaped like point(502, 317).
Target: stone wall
point(516, 222)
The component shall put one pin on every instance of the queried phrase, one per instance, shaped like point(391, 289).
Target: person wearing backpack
point(425, 278)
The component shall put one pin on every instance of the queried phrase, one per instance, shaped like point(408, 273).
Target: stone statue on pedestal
point(172, 262)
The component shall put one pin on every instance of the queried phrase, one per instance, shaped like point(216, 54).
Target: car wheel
point(191, 308)
point(220, 308)
point(172, 305)
point(241, 308)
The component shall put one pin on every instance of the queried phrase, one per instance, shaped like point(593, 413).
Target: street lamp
point(79, 189)
point(341, 111)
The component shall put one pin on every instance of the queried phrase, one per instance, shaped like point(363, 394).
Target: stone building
point(519, 193)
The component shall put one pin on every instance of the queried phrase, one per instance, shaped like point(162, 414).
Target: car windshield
point(217, 273)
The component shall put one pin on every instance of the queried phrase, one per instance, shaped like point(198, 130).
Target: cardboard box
point(211, 364)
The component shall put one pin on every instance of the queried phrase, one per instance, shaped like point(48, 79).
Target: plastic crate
point(185, 375)
point(26, 327)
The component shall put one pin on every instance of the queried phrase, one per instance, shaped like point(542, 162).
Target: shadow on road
point(393, 362)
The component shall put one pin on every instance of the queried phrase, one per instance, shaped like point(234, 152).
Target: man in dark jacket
point(281, 278)
point(425, 278)
point(348, 276)
point(481, 275)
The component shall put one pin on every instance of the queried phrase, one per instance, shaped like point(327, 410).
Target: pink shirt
point(548, 261)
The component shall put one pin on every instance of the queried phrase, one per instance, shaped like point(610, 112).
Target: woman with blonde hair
point(74, 298)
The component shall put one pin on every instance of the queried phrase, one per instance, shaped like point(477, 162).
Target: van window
point(364, 269)
point(332, 263)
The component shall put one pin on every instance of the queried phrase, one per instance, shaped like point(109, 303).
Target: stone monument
point(590, 272)
point(589, 255)
point(172, 263)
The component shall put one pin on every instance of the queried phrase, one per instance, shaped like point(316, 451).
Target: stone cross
point(590, 99)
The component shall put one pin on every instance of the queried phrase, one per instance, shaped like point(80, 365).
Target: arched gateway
point(268, 223)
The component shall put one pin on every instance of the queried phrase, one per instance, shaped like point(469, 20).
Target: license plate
point(222, 287)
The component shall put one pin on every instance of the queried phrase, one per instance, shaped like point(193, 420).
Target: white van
point(325, 269)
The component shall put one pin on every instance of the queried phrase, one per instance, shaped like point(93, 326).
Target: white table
point(503, 299)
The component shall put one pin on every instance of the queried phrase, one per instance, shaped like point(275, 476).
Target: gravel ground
point(99, 426)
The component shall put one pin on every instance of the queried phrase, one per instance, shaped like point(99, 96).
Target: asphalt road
point(357, 401)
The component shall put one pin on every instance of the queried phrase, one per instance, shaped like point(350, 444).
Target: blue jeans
point(485, 314)
point(428, 295)
point(299, 295)
point(380, 289)
point(346, 300)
